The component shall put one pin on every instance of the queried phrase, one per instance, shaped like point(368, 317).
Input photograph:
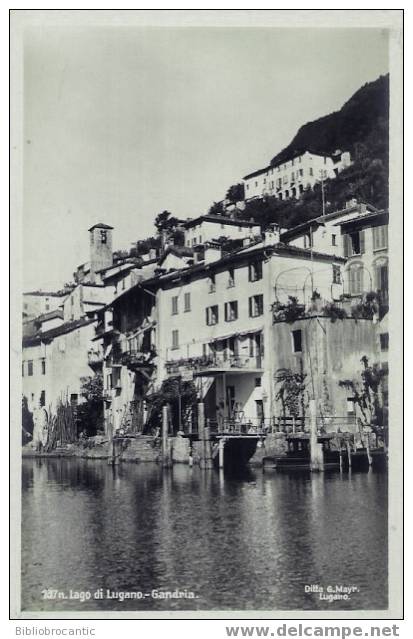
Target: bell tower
point(100, 248)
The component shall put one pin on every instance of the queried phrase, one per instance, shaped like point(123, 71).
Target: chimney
point(272, 235)
point(212, 252)
point(351, 203)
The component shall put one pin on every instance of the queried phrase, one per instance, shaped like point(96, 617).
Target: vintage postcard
point(207, 335)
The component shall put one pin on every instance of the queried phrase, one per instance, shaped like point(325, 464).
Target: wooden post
point(316, 450)
point(221, 445)
point(348, 454)
point(165, 448)
point(204, 438)
point(369, 457)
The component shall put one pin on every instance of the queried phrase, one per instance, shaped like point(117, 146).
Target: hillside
point(363, 120)
point(361, 127)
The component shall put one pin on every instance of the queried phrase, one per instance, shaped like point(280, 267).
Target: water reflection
point(246, 541)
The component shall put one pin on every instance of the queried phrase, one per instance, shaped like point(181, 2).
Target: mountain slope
point(363, 120)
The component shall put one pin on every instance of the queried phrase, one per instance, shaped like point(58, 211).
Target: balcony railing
point(137, 359)
point(215, 362)
point(95, 359)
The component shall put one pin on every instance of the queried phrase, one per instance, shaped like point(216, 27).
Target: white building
point(290, 178)
point(210, 227)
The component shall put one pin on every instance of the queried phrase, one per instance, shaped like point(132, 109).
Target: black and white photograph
point(207, 207)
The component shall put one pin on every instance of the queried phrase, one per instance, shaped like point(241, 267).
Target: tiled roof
point(46, 336)
point(100, 225)
point(367, 217)
point(220, 219)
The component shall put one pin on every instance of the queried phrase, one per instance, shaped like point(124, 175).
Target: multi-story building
point(211, 227)
point(37, 303)
point(210, 322)
point(358, 233)
point(290, 178)
point(54, 363)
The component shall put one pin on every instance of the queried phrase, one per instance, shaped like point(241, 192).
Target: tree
point(368, 396)
point(89, 414)
point(165, 222)
point(216, 209)
point(27, 422)
point(175, 393)
point(235, 193)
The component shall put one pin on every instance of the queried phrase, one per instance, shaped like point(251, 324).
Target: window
point(350, 406)
point(296, 337)
point(336, 274)
point(200, 239)
point(382, 280)
point(30, 367)
point(231, 278)
point(74, 400)
point(380, 238)
point(310, 171)
point(257, 382)
point(334, 240)
point(175, 339)
point(265, 180)
point(212, 315)
point(231, 311)
point(384, 341)
point(23, 363)
point(301, 172)
point(43, 365)
point(248, 186)
point(25, 306)
point(256, 183)
point(256, 305)
point(187, 302)
point(43, 398)
point(279, 183)
point(355, 274)
point(175, 305)
point(211, 284)
point(255, 271)
point(47, 307)
point(103, 236)
point(354, 243)
point(194, 241)
point(292, 177)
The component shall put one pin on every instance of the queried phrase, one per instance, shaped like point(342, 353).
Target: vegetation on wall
point(178, 395)
point(27, 422)
point(369, 396)
point(89, 414)
point(289, 312)
point(291, 392)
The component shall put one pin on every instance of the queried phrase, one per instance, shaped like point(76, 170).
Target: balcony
point(95, 359)
point(215, 364)
point(135, 359)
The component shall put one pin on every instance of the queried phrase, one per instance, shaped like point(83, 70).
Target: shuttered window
point(354, 243)
point(175, 339)
point(256, 305)
point(380, 237)
point(356, 280)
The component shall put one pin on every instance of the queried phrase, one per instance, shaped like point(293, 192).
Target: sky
point(121, 123)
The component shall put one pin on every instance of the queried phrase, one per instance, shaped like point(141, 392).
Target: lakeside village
point(223, 342)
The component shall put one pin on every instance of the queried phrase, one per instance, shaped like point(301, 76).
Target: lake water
point(249, 542)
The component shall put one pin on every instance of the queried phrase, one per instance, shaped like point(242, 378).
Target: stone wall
point(274, 444)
